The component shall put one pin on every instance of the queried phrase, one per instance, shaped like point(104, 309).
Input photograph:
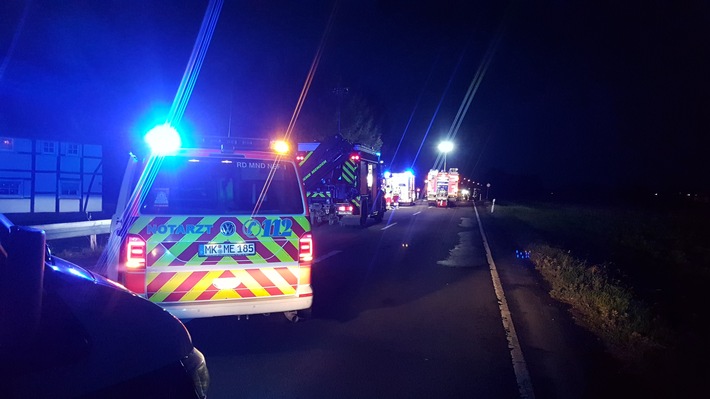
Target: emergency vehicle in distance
point(400, 189)
point(342, 180)
point(442, 187)
point(220, 229)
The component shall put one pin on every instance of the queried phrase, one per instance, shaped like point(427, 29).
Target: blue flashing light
point(163, 139)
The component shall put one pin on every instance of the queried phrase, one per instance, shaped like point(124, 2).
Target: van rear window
point(219, 186)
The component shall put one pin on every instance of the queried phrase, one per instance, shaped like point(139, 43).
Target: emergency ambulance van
point(220, 229)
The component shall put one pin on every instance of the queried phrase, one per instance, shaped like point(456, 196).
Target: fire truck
point(442, 187)
point(453, 193)
point(221, 228)
point(399, 188)
point(342, 180)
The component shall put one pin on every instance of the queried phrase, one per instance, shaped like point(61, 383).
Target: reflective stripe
point(191, 286)
point(349, 171)
point(318, 194)
point(172, 244)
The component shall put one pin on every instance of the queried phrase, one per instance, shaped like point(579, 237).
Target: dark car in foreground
point(66, 332)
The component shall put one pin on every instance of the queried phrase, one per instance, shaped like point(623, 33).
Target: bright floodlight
point(163, 139)
point(446, 146)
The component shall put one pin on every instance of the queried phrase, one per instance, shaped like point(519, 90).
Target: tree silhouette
point(358, 122)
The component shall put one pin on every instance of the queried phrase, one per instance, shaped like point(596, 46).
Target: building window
point(73, 149)
point(6, 144)
point(11, 188)
point(69, 189)
point(47, 147)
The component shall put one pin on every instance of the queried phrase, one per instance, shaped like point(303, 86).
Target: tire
point(363, 213)
point(380, 214)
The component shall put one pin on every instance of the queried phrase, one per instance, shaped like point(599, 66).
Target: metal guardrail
point(76, 229)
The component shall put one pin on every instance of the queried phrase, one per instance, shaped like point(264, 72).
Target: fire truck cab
point(442, 187)
point(219, 229)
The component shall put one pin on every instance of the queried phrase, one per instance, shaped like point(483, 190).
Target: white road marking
point(520, 368)
point(416, 213)
point(326, 256)
point(388, 226)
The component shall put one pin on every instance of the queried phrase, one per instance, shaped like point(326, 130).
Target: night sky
point(576, 95)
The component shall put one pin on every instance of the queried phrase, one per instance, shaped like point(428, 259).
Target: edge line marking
point(388, 226)
point(520, 368)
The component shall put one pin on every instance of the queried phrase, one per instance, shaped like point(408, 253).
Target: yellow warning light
point(280, 147)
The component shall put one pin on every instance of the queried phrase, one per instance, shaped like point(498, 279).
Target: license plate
point(226, 249)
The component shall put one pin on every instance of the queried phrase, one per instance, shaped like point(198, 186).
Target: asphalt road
point(405, 308)
point(408, 308)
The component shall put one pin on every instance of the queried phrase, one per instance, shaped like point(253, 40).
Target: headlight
point(196, 368)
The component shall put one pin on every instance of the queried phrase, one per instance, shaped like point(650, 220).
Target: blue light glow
point(522, 254)
point(163, 140)
point(78, 273)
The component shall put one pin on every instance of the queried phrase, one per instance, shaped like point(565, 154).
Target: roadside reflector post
point(493, 206)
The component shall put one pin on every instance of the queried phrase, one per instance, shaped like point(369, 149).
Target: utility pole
point(339, 93)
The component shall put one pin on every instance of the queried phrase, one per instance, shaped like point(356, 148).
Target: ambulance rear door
point(219, 227)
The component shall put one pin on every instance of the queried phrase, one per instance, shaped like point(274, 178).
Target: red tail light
point(132, 273)
point(305, 248)
point(135, 253)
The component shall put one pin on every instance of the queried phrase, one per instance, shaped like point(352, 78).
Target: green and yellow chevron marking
point(349, 171)
point(318, 194)
point(277, 247)
point(305, 158)
point(304, 222)
point(320, 165)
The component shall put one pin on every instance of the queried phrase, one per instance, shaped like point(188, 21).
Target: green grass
point(602, 303)
point(634, 276)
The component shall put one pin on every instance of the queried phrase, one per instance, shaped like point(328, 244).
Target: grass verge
point(633, 275)
point(600, 302)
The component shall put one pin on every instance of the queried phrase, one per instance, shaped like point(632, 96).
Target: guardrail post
point(92, 242)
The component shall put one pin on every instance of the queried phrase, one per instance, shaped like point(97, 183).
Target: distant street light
point(488, 187)
point(445, 147)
